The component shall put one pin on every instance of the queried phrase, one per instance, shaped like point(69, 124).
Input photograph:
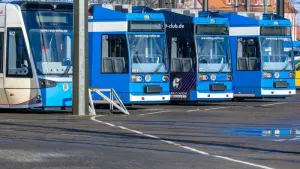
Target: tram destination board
point(275, 31)
point(143, 26)
point(203, 29)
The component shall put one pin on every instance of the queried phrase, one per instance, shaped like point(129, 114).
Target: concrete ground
point(230, 135)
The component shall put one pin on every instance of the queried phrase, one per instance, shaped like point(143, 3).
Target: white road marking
point(184, 147)
point(194, 150)
point(295, 139)
point(193, 110)
point(243, 162)
point(272, 104)
point(164, 111)
point(215, 108)
point(279, 140)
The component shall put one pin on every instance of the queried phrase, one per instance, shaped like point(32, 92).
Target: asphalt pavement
point(222, 135)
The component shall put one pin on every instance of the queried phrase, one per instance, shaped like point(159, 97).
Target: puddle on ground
point(265, 132)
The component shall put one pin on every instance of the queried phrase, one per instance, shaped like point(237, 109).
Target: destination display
point(212, 30)
point(53, 18)
point(151, 26)
point(275, 31)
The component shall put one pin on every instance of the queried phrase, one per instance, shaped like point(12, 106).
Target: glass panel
point(1, 51)
point(213, 54)
point(248, 55)
point(148, 53)
point(277, 54)
point(51, 41)
point(18, 64)
point(52, 50)
point(114, 54)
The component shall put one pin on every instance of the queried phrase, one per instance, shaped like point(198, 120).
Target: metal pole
point(280, 7)
point(236, 5)
point(162, 3)
point(205, 5)
point(173, 3)
point(80, 61)
point(248, 6)
point(265, 6)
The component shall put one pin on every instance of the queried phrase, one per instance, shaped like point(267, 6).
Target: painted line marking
point(215, 108)
point(193, 110)
point(272, 104)
point(154, 113)
point(242, 162)
point(295, 139)
point(279, 140)
point(184, 147)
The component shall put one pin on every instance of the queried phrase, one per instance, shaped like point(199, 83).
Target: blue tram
point(128, 52)
point(263, 61)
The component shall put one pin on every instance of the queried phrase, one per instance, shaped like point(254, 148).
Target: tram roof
point(209, 17)
point(36, 6)
point(100, 13)
point(236, 20)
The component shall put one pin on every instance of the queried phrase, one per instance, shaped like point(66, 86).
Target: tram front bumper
point(214, 95)
point(149, 98)
point(285, 92)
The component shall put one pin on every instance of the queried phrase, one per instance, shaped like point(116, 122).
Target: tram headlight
point(267, 75)
point(229, 77)
point(135, 78)
point(292, 74)
point(46, 83)
point(165, 78)
point(203, 77)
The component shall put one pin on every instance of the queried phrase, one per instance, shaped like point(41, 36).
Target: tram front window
point(51, 40)
point(213, 54)
point(277, 54)
point(52, 50)
point(147, 53)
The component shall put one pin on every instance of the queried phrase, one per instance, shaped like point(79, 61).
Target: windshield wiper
point(222, 68)
point(157, 69)
point(67, 69)
point(287, 64)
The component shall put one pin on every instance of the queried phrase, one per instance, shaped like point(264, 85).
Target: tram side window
point(114, 54)
point(248, 56)
point(182, 55)
point(18, 64)
point(1, 51)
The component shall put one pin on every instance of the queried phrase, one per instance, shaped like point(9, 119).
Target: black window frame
point(199, 26)
point(258, 53)
point(126, 58)
point(182, 41)
point(1, 51)
point(269, 28)
point(146, 30)
point(29, 74)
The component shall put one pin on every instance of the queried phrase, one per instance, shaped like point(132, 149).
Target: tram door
point(20, 86)
point(3, 98)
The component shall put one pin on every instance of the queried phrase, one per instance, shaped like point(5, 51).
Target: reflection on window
point(1, 51)
point(148, 53)
point(114, 54)
point(183, 55)
point(51, 50)
point(248, 57)
point(18, 64)
point(213, 54)
point(277, 53)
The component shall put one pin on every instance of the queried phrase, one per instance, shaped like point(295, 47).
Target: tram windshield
point(213, 54)
point(148, 53)
point(51, 41)
point(277, 54)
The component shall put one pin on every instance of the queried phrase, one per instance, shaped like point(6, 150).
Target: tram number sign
point(12, 33)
